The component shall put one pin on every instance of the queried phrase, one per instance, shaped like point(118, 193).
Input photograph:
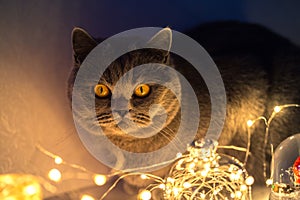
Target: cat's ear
point(162, 39)
point(82, 44)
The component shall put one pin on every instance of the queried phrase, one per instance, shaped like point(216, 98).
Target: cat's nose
point(122, 113)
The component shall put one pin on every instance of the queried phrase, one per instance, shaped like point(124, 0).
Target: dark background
point(36, 57)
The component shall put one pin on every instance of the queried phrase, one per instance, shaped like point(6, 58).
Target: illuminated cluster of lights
point(267, 122)
point(201, 173)
point(55, 174)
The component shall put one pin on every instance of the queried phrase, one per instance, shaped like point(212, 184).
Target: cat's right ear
point(82, 44)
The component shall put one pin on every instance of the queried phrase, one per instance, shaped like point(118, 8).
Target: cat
point(260, 70)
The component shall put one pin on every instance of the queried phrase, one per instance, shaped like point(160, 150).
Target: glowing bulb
point(170, 180)
point(202, 195)
point(99, 179)
point(31, 190)
point(162, 186)
point(144, 176)
point(243, 187)
point(238, 194)
point(54, 175)
point(277, 109)
point(269, 182)
point(176, 191)
point(232, 195)
point(145, 195)
point(87, 197)
point(187, 185)
point(249, 180)
point(250, 123)
point(234, 176)
point(192, 165)
point(204, 173)
point(58, 160)
point(178, 155)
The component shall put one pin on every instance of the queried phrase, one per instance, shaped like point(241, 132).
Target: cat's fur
point(260, 69)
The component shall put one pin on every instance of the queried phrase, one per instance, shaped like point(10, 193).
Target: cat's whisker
point(139, 121)
point(177, 140)
point(168, 136)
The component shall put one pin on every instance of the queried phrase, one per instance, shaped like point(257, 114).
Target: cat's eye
point(142, 90)
point(101, 90)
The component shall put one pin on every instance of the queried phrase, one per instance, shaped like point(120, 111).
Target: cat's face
point(135, 98)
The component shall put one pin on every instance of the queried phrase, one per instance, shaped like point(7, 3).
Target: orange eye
point(142, 90)
point(101, 90)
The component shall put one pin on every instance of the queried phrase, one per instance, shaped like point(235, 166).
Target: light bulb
point(277, 109)
point(250, 123)
point(54, 175)
point(99, 179)
point(145, 195)
point(58, 160)
point(249, 180)
point(87, 197)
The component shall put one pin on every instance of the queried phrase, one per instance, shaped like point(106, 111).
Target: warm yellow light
point(162, 186)
point(54, 175)
point(204, 173)
point(269, 182)
point(234, 176)
point(277, 109)
point(58, 160)
point(19, 186)
point(145, 195)
point(202, 195)
point(232, 195)
point(170, 180)
point(249, 180)
point(243, 187)
point(250, 123)
point(178, 155)
point(238, 194)
point(175, 191)
point(31, 190)
point(99, 179)
point(144, 176)
point(87, 197)
point(187, 185)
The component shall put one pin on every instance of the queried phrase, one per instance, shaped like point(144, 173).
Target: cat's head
point(141, 98)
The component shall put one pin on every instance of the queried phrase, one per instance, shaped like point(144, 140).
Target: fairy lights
point(99, 179)
point(87, 197)
point(19, 186)
point(145, 195)
point(201, 173)
point(54, 175)
point(267, 122)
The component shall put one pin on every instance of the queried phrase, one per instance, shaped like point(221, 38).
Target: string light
point(201, 173)
point(249, 123)
point(31, 190)
point(54, 175)
point(99, 179)
point(58, 160)
point(267, 122)
point(87, 197)
point(145, 195)
point(19, 186)
point(277, 109)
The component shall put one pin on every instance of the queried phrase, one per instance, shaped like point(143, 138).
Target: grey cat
point(260, 69)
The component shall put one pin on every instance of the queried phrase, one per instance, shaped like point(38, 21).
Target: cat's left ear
point(82, 44)
point(162, 40)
